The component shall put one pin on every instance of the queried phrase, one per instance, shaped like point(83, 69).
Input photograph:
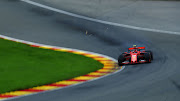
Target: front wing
point(126, 62)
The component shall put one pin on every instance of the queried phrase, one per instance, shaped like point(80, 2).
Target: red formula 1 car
point(135, 55)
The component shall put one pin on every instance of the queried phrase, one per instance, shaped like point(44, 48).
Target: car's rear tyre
point(151, 53)
point(121, 59)
point(147, 57)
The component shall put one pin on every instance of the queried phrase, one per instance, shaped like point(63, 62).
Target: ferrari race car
point(135, 55)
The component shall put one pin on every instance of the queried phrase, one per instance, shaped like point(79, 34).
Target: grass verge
point(22, 66)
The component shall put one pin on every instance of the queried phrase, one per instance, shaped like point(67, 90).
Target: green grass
point(22, 66)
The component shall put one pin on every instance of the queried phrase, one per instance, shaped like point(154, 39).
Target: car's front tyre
point(121, 59)
point(151, 54)
point(147, 57)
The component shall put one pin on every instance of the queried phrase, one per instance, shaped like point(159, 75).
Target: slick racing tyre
point(150, 52)
point(121, 59)
point(147, 57)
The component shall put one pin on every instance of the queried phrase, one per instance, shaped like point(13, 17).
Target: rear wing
point(136, 48)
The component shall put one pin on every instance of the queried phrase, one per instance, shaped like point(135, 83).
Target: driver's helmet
point(134, 45)
point(135, 48)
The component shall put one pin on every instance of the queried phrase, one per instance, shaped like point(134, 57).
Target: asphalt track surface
point(157, 81)
point(154, 14)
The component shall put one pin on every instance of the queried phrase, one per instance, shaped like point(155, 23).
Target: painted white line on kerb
point(22, 41)
point(99, 21)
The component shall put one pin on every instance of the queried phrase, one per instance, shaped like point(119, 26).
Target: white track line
point(99, 21)
point(22, 41)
